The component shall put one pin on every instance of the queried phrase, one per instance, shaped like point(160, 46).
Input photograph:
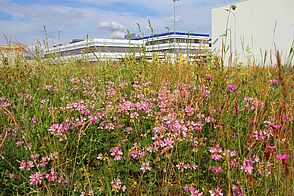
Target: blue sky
point(23, 20)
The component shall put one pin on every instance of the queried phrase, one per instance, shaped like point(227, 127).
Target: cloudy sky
point(23, 20)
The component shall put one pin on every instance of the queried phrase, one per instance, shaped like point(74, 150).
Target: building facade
point(176, 45)
point(252, 30)
point(172, 45)
point(10, 54)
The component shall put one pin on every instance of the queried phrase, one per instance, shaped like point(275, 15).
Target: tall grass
point(146, 128)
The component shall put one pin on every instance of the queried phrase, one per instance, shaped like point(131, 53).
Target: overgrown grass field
point(146, 128)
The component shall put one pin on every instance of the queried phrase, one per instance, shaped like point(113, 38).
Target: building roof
point(13, 47)
point(171, 33)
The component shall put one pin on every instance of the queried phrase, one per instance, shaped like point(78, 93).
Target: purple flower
point(231, 88)
point(271, 148)
point(217, 169)
point(36, 178)
point(275, 126)
point(282, 156)
point(275, 83)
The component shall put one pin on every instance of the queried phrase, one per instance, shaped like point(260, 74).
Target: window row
point(172, 40)
point(92, 49)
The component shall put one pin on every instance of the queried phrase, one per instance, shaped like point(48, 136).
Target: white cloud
point(117, 35)
point(111, 26)
point(177, 19)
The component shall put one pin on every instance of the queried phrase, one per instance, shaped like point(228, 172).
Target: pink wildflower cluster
point(51, 177)
point(182, 166)
point(248, 164)
point(231, 88)
point(252, 103)
point(135, 153)
point(5, 103)
point(261, 135)
point(216, 192)
point(117, 186)
point(116, 153)
point(145, 167)
point(111, 89)
point(26, 165)
point(59, 130)
point(216, 152)
point(80, 106)
point(192, 191)
point(51, 88)
point(237, 189)
point(36, 178)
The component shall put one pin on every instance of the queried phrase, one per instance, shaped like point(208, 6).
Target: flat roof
point(15, 47)
point(172, 33)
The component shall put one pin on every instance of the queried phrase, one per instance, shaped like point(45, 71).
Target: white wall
point(261, 25)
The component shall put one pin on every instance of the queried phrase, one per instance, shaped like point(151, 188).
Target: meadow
point(146, 128)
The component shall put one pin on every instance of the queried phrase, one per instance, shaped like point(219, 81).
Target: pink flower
point(217, 170)
point(51, 176)
point(26, 165)
point(271, 148)
point(217, 149)
point(216, 192)
point(275, 83)
point(282, 156)
point(23, 164)
point(237, 191)
point(247, 166)
point(44, 161)
point(116, 153)
point(35, 156)
point(36, 178)
point(234, 163)
point(30, 165)
point(216, 157)
point(231, 88)
point(145, 167)
point(275, 126)
point(190, 189)
point(116, 185)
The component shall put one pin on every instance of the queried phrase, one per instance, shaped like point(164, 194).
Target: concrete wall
point(256, 27)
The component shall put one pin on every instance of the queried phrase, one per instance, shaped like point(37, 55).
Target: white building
point(254, 29)
point(170, 45)
point(96, 49)
point(176, 45)
point(11, 54)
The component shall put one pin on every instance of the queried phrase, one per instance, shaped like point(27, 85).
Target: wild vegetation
point(146, 128)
